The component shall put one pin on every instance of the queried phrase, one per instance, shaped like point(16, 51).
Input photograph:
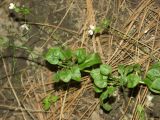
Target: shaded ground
point(25, 79)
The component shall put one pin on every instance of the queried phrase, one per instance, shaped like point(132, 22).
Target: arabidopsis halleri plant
point(91, 30)
point(24, 26)
point(12, 6)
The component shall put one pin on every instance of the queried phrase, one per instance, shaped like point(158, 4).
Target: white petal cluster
point(12, 6)
point(91, 30)
point(24, 26)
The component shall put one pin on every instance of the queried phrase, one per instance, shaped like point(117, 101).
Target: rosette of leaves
point(152, 79)
point(71, 62)
point(129, 75)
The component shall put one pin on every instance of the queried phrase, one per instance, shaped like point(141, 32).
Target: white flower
point(90, 32)
point(11, 6)
point(92, 27)
point(24, 26)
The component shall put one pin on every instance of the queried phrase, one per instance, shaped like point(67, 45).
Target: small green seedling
point(71, 64)
point(141, 112)
point(47, 102)
point(102, 26)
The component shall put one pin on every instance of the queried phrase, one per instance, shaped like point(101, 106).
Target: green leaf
point(105, 69)
point(46, 103)
point(100, 83)
point(141, 112)
point(125, 70)
point(107, 107)
point(91, 60)
point(25, 10)
point(103, 96)
point(98, 78)
point(136, 68)
point(17, 9)
point(152, 79)
point(98, 30)
point(105, 23)
point(51, 59)
point(76, 74)
point(54, 98)
point(56, 77)
point(65, 75)
point(97, 90)
point(148, 82)
point(53, 55)
point(140, 108)
point(59, 53)
point(156, 65)
point(48, 100)
point(68, 54)
point(81, 55)
point(133, 80)
point(128, 69)
point(111, 90)
point(123, 80)
point(155, 86)
point(104, 77)
point(153, 74)
point(121, 69)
